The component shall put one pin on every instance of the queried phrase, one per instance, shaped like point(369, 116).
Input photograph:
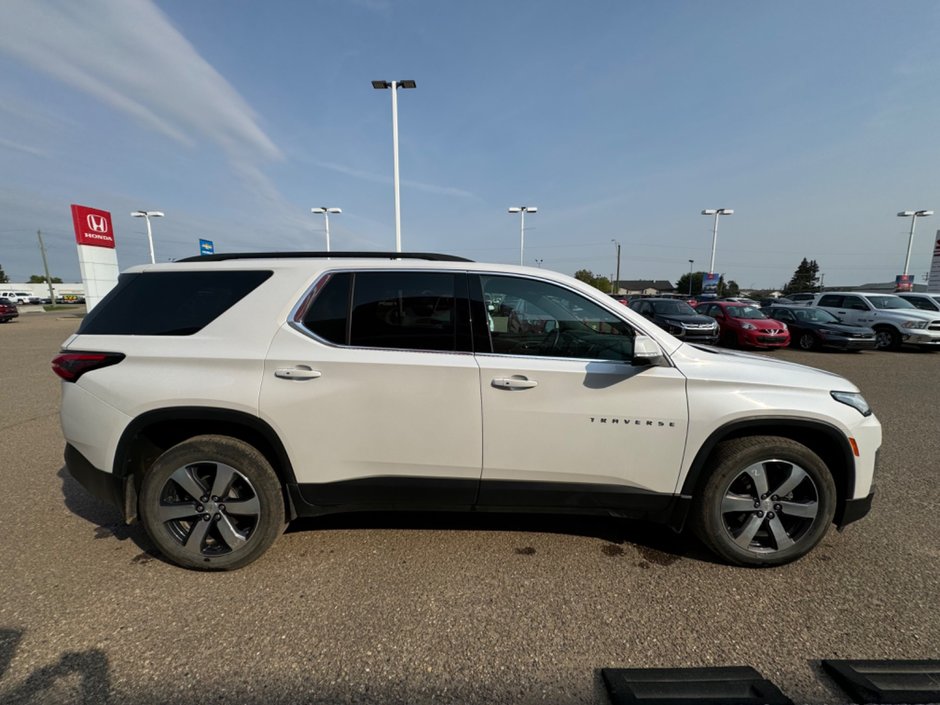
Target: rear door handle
point(514, 382)
point(299, 372)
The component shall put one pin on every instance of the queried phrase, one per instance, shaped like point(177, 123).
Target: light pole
point(326, 217)
point(148, 215)
point(913, 215)
point(691, 262)
point(395, 85)
point(715, 212)
point(616, 285)
point(522, 210)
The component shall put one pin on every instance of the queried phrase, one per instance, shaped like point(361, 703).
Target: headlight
point(828, 331)
point(914, 324)
point(748, 326)
point(853, 399)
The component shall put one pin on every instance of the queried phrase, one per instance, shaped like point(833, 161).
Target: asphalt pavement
point(440, 608)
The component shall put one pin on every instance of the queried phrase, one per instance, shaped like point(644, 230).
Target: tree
point(3, 276)
point(732, 289)
point(39, 279)
point(588, 277)
point(682, 286)
point(805, 278)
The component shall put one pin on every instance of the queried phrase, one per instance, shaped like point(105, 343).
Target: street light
point(616, 286)
point(522, 210)
point(715, 212)
point(395, 85)
point(913, 215)
point(326, 216)
point(691, 262)
point(148, 215)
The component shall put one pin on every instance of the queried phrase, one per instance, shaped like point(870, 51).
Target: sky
point(619, 120)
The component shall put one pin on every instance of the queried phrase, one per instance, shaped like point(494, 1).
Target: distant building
point(648, 287)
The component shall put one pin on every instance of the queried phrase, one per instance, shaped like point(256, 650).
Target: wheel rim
point(884, 339)
point(769, 506)
point(209, 508)
point(807, 341)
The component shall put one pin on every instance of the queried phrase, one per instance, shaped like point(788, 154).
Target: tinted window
point(922, 304)
point(530, 317)
point(781, 314)
point(326, 316)
point(832, 300)
point(404, 310)
point(855, 303)
point(168, 303)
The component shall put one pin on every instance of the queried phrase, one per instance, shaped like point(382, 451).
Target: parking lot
point(445, 608)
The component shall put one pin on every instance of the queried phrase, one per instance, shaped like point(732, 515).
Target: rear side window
point(169, 303)
point(831, 300)
point(394, 310)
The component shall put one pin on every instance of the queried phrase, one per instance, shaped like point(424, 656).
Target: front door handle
point(299, 372)
point(514, 382)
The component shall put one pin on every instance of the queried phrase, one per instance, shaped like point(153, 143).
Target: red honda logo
point(96, 222)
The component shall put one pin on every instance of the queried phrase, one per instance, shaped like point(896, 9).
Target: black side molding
point(887, 681)
point(724, 685)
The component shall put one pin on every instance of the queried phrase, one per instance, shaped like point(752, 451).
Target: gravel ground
point(440, 608)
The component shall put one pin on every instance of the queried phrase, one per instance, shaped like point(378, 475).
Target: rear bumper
point(100, 484)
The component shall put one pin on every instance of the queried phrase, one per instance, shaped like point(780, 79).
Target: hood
point(715, 364)
point(686, 318)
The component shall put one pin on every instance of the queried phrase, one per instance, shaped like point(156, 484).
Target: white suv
point(275, 386)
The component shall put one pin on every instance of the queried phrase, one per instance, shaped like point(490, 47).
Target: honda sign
point(92, 227)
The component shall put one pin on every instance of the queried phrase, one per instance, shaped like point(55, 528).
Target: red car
point(8, 310)
point(745, 325)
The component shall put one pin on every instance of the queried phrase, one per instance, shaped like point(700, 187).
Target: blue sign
point(206, 247)
point(710, 282)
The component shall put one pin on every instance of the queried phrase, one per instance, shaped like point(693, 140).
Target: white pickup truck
point(896, 321)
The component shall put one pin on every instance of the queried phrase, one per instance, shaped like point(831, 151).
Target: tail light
point(71, 366)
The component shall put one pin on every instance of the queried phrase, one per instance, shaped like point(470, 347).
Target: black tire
point(808, 341)
point(195, 528)
point(887, 338)
point(736, 516)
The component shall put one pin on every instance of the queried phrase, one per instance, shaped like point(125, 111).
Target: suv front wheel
point(212, 503)
point(767, 502)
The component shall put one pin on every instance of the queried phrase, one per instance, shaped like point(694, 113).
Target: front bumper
point(760, 340)
point(845, 343)
point(924, 338)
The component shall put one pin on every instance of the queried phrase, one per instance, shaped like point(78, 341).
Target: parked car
point(621, 298)
point(746, 326)
point(925, 302)
point(740, 300)
point(895, 320)
point(812, 328)
point(276, 386)
point(8, 310)
point(19, 297)
point(804, 298)
point(779, 301)
point(678, 318)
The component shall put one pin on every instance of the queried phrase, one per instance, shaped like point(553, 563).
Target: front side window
point(889, 302)
point(854, 303)
point(531, 317)
point(831, 300)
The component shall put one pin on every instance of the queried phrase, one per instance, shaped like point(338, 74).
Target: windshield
point(814, 315)
point(889, 302)
point(672, 308)
point(744, 312)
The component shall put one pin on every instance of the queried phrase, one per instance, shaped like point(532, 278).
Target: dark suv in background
point(678, 318)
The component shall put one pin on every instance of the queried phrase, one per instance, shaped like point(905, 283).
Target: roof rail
point(335, 255)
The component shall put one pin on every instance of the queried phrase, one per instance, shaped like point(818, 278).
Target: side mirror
point(646, 349)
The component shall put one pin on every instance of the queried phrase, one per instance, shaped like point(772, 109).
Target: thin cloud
point(128, 55)
point(25, 148)
point(378, 179)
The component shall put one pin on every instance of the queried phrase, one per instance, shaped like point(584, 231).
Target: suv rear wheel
point(768, 501)
point(212, 503)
